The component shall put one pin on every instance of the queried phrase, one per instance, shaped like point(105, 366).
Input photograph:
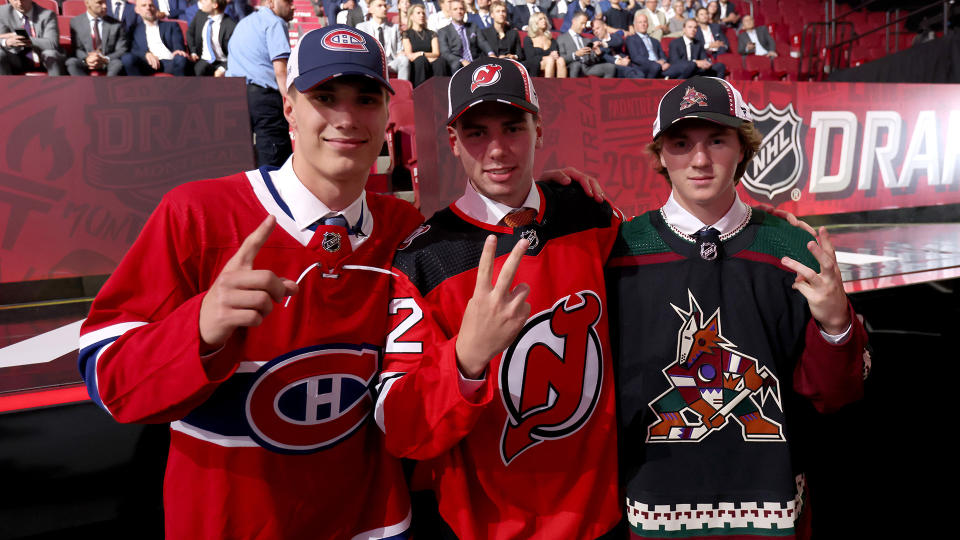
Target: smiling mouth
point(345, 141)
point(499, 170)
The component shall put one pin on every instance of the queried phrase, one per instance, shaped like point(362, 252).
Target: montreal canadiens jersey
point(275, 441)
point(721, 368)
point(533, 453)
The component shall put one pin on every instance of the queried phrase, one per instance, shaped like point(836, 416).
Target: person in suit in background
point(422, 48)
point(657, 20)
point(647, 54)
point(453, 37)
point(755, 39)
point(711, 34)
point(610, 46)
point(388, 34)
point(155, 45)
point(540, 51)
point(482, 18)
point(522, 13)
point(29, 38)
point(728, 13)
point(689, 50)
point(125, 12)
point(208, 36)
point(171, 9)
point(581, 59)
point(99, 41)
point(441, 17)
point(500, 40)
point(577, 6)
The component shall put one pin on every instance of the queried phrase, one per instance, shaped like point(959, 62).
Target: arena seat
point(184, 25)
point(557, 23)
point(761, 65)
point(665, 43)
point(74, 7)
point(786, 67)
point(63, 29)
point(48, 4)
point(739, 74)
point(731, 60)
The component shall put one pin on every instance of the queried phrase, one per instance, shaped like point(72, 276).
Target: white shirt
point(685, 222)
point(155, 42)
point(306, 208)
point(758, 48)
point(99, 24)
point(707, 36)
point(391, 36)
point(687, 41)
point(438, 20)
point(218, 52)
point(164, 6)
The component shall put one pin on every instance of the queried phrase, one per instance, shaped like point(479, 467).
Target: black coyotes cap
point(490, 79)
point(708, 98)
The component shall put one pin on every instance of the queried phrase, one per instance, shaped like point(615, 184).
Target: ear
point(452, 138)
point(288, 109)
point(663, 162)
point(539, 129)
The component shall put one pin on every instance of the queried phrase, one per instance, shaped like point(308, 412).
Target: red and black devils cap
point(491, 79)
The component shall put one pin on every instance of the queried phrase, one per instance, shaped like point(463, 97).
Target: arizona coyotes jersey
point(533, 453)
point(272, 438)
point(720, 369)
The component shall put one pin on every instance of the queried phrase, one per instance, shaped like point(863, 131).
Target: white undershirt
point(155, 42)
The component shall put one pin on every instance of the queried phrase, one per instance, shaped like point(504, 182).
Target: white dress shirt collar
point(306, 208)
point(485, 210)
point(685, 222)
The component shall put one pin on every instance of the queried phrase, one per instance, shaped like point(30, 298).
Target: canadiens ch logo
point(779, 163)
point(485, 75)
point(344, 41)
point(312, 398)
point(551, 376)
point(711, 383)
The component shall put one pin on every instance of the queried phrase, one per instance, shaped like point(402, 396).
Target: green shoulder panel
point(778, 238)
point(638, 237)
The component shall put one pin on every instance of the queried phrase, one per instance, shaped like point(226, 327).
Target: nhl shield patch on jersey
point(712, 386)
point(551, 376)
point(312, 398)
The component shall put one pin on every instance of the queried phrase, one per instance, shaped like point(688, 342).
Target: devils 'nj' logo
point(550, 378)
point(485, 75)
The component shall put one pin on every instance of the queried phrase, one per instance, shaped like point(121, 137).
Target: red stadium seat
point(393, 17)
point(183, 29)
point(74, 7)
point(759, 64)
point(786, 67)
point(557, 23)
point(738, 74)
point(63, 29)
point(731, 60)
point(665, 43)
point(48, 4)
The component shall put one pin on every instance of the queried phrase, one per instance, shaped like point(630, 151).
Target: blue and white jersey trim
point(92, 346)
point(400, 531)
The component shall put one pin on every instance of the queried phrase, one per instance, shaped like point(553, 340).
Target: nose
point(343, 117)
point(498, 147)
point(701, 156)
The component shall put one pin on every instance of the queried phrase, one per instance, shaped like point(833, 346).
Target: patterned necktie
point(95, 34)
point(467, 55)
point(520, 217)
point(118, 10)
point(28, 27)
point(208, 42)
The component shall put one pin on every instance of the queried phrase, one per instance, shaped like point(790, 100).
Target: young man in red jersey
point(249, 314)
point(732, 328)
point(495, 388)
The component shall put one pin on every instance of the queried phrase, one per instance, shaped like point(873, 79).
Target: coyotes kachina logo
point(712, 386)
point(550, 378)
point(693, 97)
point(777, 167)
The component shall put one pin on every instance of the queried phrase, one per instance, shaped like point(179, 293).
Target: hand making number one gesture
point(495, 314)
point(242, 296)
point(823, 291)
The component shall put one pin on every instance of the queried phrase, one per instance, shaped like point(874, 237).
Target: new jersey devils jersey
point(272, 438)
point(720, 369)
point(533, 453)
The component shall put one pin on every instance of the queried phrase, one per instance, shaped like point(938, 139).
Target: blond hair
point(533, 30)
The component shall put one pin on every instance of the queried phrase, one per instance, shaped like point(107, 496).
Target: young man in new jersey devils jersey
point(733, 328)
point(503, 392)
point(249, 314)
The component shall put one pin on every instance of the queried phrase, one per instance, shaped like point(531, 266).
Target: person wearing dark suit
point(452, 39)
point(521, 13)
point(755, 40)
point(19, 54)
point(500, 40)
point(728, 13)
point(610, 46)
point(155, 45)
point(581, 59)
point(647, 55)
point(208, 46)
point(124, 12)
point(171, 9)
point(579, 6)
point(111, 41)
point(716, 42)
point(687, 50)
point(482, 18)
point(331, 8)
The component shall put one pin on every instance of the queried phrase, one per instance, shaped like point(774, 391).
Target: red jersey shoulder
point(397, 217)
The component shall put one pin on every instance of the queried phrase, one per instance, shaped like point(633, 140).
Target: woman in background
point(542, 56)
point(421, 47)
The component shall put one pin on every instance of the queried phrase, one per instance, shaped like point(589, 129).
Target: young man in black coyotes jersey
point(730, 323)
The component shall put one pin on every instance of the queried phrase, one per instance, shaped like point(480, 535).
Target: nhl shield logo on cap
point(344, 40)
point(485, 75)
point(693, 97)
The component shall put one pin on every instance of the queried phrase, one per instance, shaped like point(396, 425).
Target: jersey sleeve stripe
point(399, 531)
point(92, 346)
point(233, 441)
point(42, 348)
point(386, 381)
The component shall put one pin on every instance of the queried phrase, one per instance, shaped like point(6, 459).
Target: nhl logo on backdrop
point(777, 167)
point(344, 41)
point(485, 75)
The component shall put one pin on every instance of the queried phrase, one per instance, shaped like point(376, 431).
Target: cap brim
point(716, 118)
point(322, 74)
point(515, 102)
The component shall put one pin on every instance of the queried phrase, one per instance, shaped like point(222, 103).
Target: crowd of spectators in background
point(421, 38)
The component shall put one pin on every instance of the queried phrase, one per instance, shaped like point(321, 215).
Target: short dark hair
point(750, 139)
